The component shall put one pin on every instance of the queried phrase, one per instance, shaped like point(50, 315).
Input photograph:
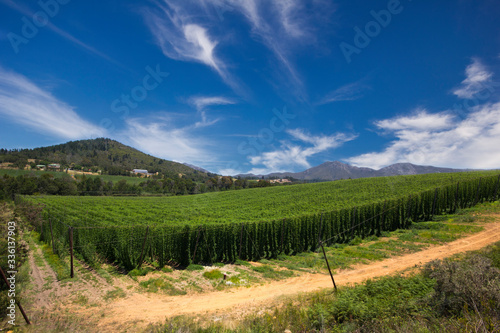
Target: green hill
point(110, 156)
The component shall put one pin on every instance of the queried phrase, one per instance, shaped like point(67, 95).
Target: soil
point(138, 309)
point(156, 308)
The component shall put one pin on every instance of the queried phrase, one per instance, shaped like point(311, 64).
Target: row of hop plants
point(206, 244)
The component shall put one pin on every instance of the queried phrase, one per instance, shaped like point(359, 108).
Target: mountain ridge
point(335, 170)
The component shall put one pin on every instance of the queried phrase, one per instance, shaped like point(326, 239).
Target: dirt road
point(155, 308)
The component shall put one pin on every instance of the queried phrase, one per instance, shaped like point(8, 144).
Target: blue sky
point(239, 86)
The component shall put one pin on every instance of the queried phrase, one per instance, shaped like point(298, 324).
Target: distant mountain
point(110, 156)
point(196, 167)
point(337, 170)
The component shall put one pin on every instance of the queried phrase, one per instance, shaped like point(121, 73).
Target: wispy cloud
point(185, 31)
point(348, 92)
point(23, 102)
point(183, 37)
point(160, 137)
point(281, 26)
point(291, 156)
point(201, 103)
point(439, 139)
point(477, 77)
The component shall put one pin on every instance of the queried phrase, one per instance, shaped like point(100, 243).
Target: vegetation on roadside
point(13, 257)
point(448, 295)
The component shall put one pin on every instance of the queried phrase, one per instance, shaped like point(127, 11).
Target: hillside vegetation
point(109, 156)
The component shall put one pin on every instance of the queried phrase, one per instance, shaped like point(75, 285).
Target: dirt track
point(155, 308)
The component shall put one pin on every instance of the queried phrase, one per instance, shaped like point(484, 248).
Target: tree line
point(96, 186)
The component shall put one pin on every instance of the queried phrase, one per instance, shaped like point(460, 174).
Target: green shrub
point(473, 283)
point(494, 255)
point(154, 285)
point(242, 263)
point(214, 274)
point(381, 298)
point(194, 267)
point(140, 271)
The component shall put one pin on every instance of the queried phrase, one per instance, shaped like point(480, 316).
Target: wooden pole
point(456, 198)
point(17, 302)
point(143, 246)
point(71, 250)
point(328, 265)
point(52, 237)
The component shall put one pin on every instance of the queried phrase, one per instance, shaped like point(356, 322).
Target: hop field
point(255, 223)
point(252, 205)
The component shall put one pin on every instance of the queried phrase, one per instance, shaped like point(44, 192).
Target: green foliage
point(159, 284)
point(382, 298)
point(140, 271)
point(446, 298)
point(287, 220)
point(167, 269)
point(270, 273)
point(108, 155)
point(494, 255)
point(214, 274)
point(194, 267)
point(242, 263)
point(472, 284)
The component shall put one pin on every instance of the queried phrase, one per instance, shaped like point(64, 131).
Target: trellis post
point(328, 265)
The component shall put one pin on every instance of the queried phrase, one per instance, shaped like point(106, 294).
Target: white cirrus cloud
point(201, 103)
point(291, 155)
point(282, 26)
point(440, 140)
point(182, 36)
point(477, 79)
point(193, 30)
point(160, 137)
point(348, 92)
point(25, 103)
